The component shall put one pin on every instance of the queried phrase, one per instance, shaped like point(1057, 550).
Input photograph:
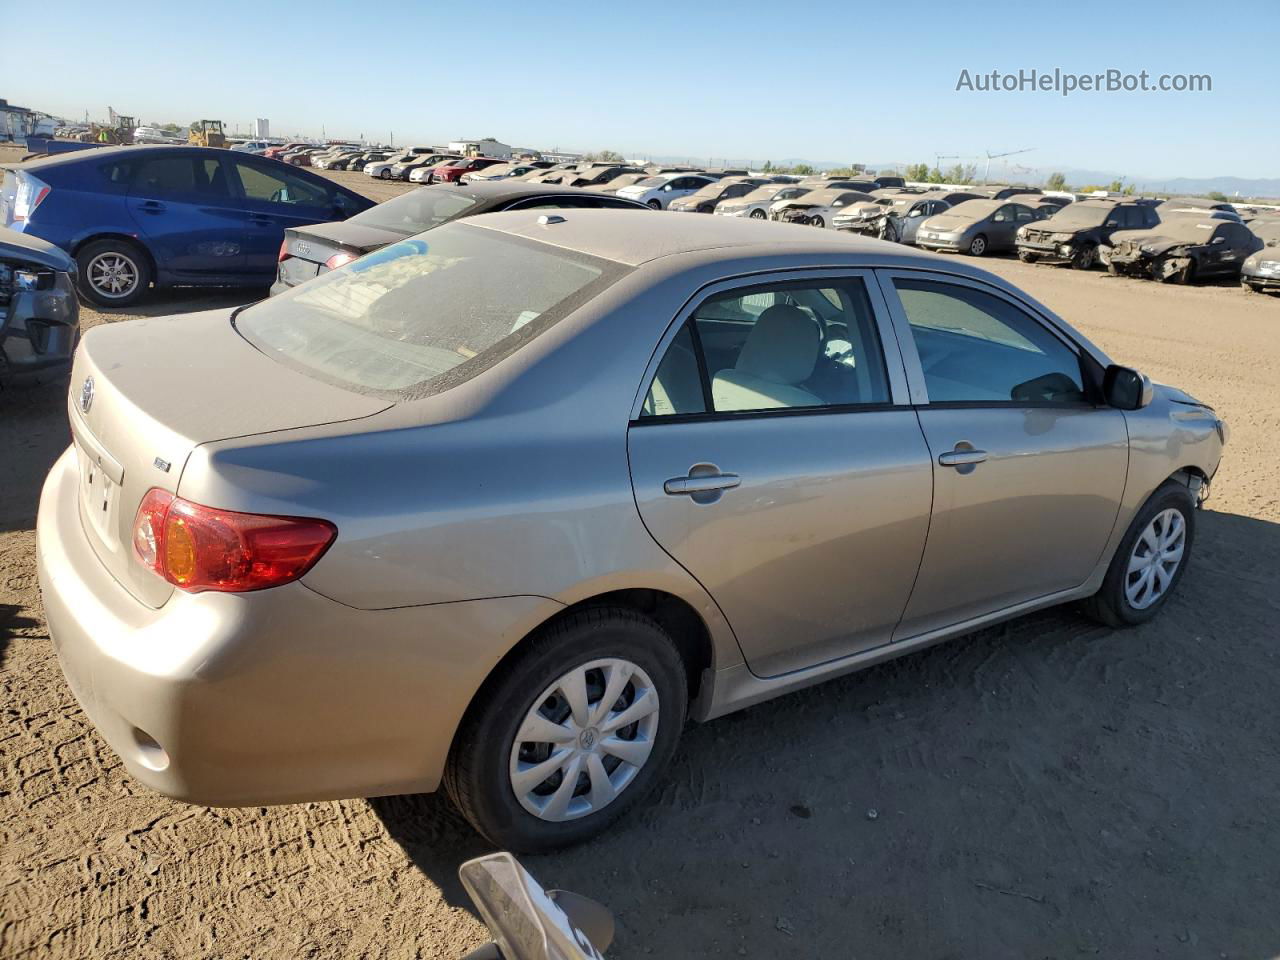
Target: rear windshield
point(418, 210)
point(424, 314)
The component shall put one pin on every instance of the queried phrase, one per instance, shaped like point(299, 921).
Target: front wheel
point(978, 246)
point(567, 737)
point(817, 222)
point(758, 214)
point(1085, 257)
point(655, 205)
point(1149, 561)
point(385, 174)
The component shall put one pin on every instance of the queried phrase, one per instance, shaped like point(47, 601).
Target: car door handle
point(151, 206)
point(707, 484)
point(261, 218)
point(960, 458)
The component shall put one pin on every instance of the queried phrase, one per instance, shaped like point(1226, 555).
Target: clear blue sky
point(818, 80)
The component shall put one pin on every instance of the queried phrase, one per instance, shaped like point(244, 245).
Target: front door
point(769, 458)
point(276, 199)
point(1028, 467)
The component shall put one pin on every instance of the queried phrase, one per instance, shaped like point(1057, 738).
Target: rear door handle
point(152, 206)
point(261, 218)
point(708, 484)
point(960, 458)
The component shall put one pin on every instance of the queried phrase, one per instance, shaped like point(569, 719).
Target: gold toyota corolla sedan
point(501, 506)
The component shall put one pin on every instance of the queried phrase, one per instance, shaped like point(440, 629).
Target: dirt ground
point(1046, 788)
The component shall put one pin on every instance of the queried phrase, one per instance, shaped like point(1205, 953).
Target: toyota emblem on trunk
point(86, 395)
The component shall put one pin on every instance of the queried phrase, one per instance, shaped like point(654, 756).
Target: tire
point(654, 205)
point(978, 246)
point(1086, 258)
point(385, 174)
point(113, 273)
point(1114, 604)
point(485, 759)
point(817, 222)
point(1027, 257)
point(758, 214)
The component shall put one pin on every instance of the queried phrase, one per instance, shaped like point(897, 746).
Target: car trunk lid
point(307, 248)
point(145, 394)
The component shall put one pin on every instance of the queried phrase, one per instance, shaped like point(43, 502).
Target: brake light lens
point(340, 260)
point(30, 194)
point(284, 251)
point(198, 548)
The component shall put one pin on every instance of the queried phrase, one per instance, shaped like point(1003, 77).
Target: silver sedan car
point(501, 506)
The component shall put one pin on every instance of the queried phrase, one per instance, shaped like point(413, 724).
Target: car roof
point(621, 236)
point(493, 190)
point(131, 150)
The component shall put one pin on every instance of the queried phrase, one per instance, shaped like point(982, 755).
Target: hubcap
point(584, 740)
point(1155, 559)
point(978, 246)
point(113, 275)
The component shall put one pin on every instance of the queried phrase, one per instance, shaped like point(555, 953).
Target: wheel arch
point(133, 241)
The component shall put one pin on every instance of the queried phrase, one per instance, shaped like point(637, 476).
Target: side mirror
point(1217, 240)
point(1125, 388)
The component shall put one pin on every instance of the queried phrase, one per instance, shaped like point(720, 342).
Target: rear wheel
point(655, 205)
point(757, 214)
point(385, 174)
point(978, 246)
point(817, 222)
point(1149, 561)
point(572, 733)
point(112, 273)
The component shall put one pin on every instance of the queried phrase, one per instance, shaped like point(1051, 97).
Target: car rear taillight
point(31, 193)
point(340, 260)
point(199, 548)
point(284, 251)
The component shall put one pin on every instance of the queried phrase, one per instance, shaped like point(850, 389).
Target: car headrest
point(782, 347)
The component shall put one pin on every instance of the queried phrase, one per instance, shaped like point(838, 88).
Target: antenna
point(995, 156)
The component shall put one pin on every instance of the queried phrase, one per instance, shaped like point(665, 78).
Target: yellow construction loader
point(207, 133)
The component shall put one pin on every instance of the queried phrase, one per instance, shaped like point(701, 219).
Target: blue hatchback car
point(168, 215)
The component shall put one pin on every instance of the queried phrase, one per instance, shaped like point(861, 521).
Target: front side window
point(274, 186)
point(424, 314)
point(776, 346)
point(975, 347)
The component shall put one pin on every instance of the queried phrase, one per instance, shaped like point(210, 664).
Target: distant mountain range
point(1257, 188)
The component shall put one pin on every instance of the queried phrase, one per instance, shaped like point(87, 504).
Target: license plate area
point(99, 497)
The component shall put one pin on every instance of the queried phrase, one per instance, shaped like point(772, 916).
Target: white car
point(382, 170)
point(658, 192)
point(756, 203)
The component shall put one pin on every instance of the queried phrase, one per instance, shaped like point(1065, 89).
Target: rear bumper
point(39, 331)
point(276, 696)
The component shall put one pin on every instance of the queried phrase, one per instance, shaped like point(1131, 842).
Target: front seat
point(779, 354)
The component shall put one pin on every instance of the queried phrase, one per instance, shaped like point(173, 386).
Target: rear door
point(1028, 467)
point(275, 199)
point(186, 210)
point(775, 456)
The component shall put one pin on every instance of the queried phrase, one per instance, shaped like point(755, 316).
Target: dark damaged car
point(1074, 234)
point(1260, 272)
point(1183, 248)
point(39, 313)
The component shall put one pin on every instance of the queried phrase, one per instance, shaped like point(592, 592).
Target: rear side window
point(425, 314)
point(179, 176)
point(774, 346)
